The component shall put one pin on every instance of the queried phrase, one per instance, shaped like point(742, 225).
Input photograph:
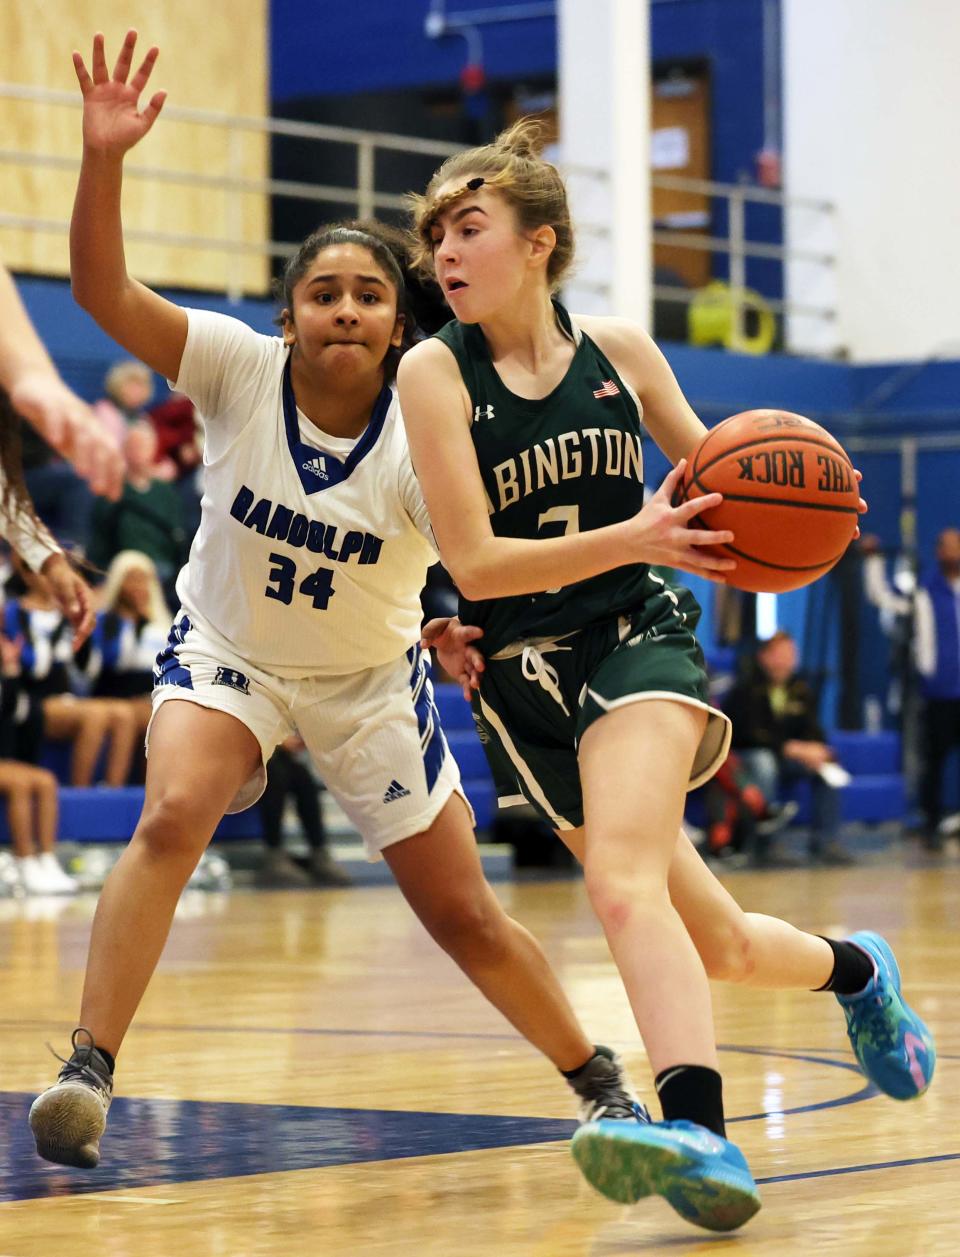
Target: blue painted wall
point(338, 50)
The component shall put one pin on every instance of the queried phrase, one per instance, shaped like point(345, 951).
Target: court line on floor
point(360, 1032)
point(859, 1169)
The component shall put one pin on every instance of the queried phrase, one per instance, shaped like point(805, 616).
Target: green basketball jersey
point(566, 463)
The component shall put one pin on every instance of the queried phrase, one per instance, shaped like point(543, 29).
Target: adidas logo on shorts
point(395, 791)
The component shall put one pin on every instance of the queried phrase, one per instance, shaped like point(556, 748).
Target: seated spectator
point(132, 628)
point(741, 820)
point(91, 725)
point(31, 793)
point(129, 388)
point(289, 777)
point(779, 740)
point(179, 433)
point(61, 496)
point(180, 445)
point(147, 516)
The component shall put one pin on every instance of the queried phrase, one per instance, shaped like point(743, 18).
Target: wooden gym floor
point(310, 1075)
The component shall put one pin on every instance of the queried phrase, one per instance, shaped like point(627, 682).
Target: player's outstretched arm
point(146, 324)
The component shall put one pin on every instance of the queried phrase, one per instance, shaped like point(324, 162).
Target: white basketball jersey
point(312, 550)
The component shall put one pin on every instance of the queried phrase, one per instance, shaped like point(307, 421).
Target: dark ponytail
point(14, 495)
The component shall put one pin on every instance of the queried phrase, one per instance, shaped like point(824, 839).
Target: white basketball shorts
point(374, 736)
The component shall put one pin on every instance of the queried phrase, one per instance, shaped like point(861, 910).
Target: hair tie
point(476, 183)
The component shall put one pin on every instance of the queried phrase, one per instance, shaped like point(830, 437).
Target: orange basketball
point(789, 497)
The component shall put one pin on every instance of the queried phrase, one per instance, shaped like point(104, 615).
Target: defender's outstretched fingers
point(99, 63)
point(125, 57)
point(139, 80)
point(154, 107)
point(83, 74)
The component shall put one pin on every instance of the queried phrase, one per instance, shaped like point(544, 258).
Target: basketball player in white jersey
point(300, 609)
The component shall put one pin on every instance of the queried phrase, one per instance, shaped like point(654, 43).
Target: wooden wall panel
point(210, 58)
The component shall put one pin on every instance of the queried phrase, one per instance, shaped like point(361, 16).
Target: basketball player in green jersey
point(524, 427)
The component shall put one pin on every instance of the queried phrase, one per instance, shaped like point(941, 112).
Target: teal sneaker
point(894, 1047)
point(705, 1178)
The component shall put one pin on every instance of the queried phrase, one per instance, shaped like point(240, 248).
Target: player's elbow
point(478, 578)
point(82, 289)
point(472, 581)
point(88, 293)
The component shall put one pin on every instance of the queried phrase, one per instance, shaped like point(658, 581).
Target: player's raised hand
point(661, 532)
point(112, 121)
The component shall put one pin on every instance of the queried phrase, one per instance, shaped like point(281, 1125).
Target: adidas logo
point(395, 791)
point(318, 466)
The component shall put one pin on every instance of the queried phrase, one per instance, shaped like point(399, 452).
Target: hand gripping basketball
point(669, 532)
point(789, 494)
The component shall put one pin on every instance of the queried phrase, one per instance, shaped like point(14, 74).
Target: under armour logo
point(318, 466)
point(482, 412)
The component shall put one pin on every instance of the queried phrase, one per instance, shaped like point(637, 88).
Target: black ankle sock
point(852, 969)
point(571, 1074)
point(694, 1093)
point(111, 1063)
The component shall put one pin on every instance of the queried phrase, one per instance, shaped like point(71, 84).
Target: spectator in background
point(30, 792)
point(936, 653)
point(147, 516)
point(131, 630)
point(289, 777)
point(741, 820)
point(180, 446)
point(91, 725)
point(779, 740)
point(61, 496)
point(129, 390)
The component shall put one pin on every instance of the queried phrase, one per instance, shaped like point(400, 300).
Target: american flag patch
point(607, 389)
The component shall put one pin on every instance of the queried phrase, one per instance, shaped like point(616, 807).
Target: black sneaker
point(833, 855)
point(605, 1091)
point(69, 1118)
point(278, 871)
point(778, 816)
point(325, 871)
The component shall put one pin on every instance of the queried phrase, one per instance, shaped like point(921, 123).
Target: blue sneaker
point(894, 1047)
point(705, 1178)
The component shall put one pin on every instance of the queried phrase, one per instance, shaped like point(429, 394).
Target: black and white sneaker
point(69, 1118)
point(778, 816)
point(604, 1090)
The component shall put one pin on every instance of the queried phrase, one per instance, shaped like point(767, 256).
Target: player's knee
point(618, 898)
point(167, 828)
point(467, 927)
point(727, 954)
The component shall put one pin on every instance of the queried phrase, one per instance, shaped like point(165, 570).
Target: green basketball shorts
point(538, 697)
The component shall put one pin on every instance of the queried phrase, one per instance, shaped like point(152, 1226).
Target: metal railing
point(365, 199)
